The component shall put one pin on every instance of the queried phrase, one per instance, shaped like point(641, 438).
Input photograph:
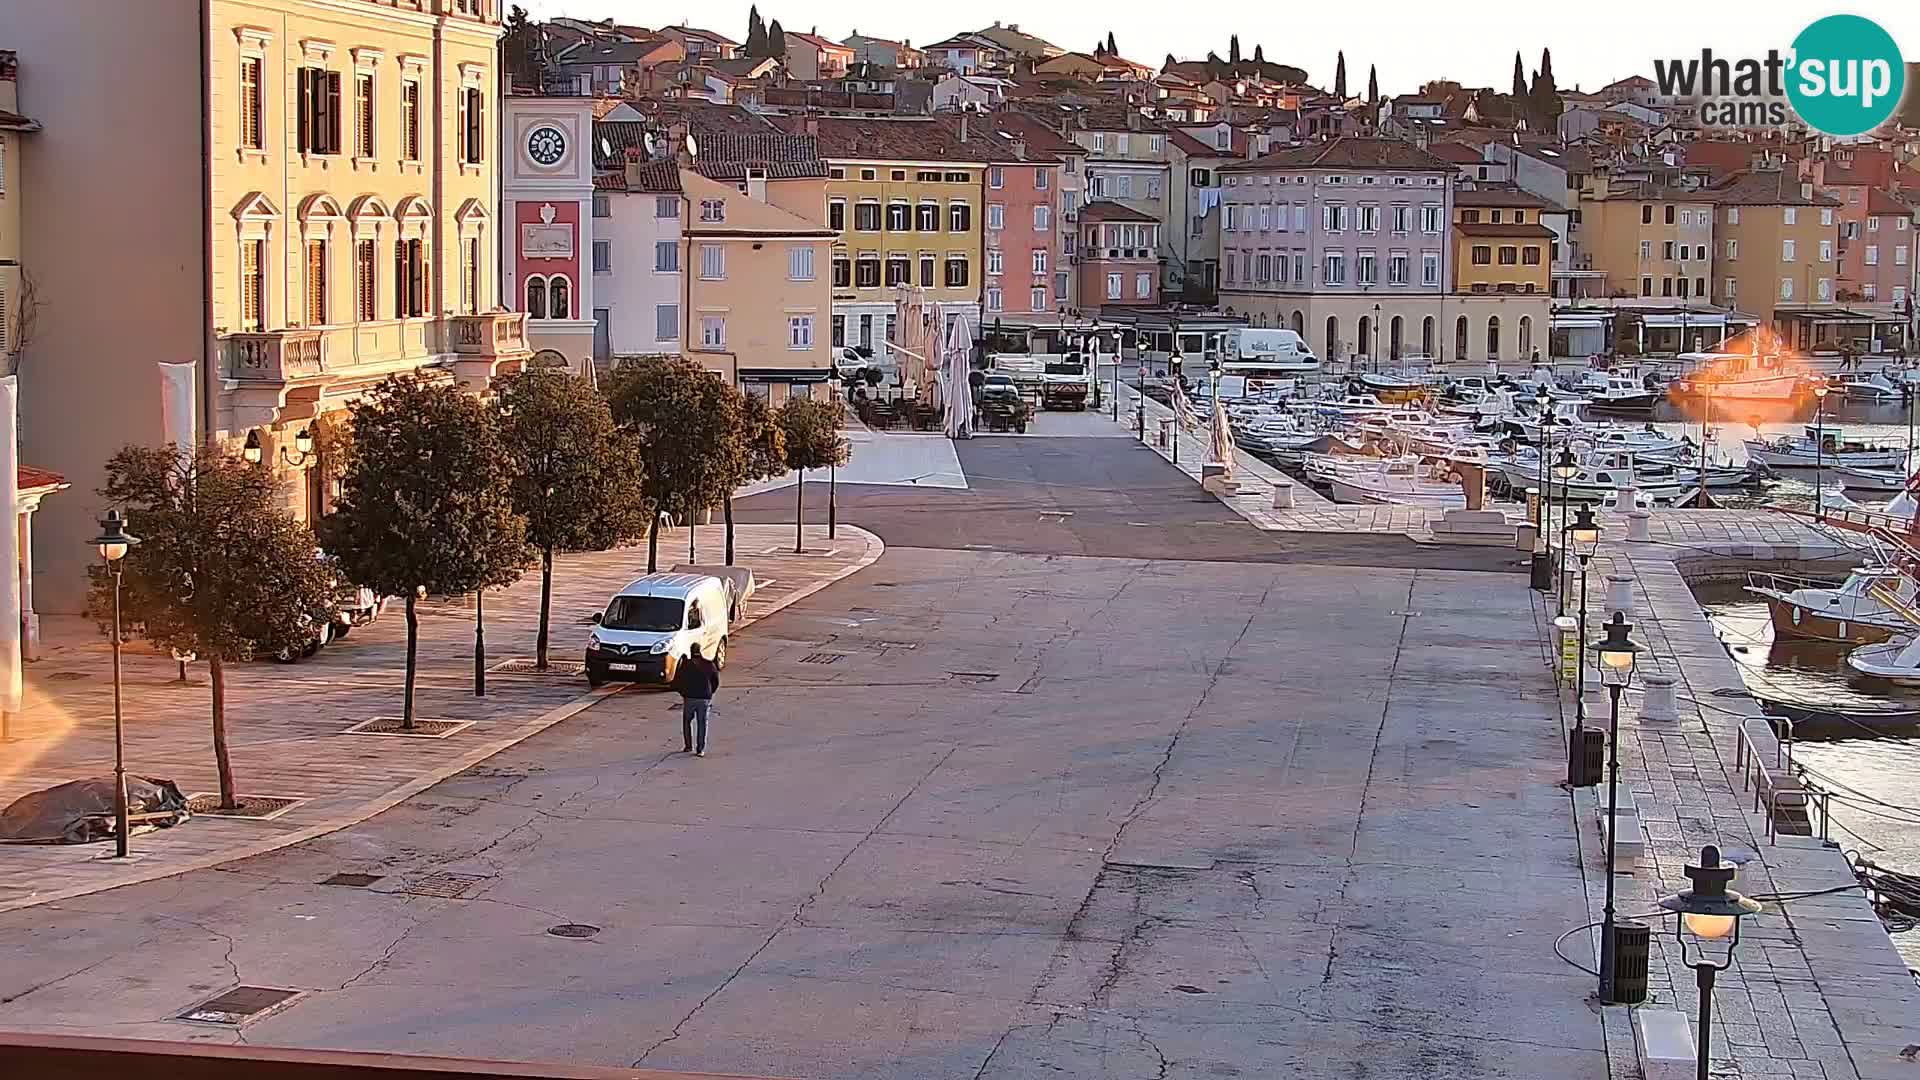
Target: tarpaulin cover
point(81, 811)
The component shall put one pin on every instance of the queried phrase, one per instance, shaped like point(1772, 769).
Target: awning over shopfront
point(784, 375)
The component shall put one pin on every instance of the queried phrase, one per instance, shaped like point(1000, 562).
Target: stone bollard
point(1166, 434)
point(1620, 595)
point(1283, 494)
point(1526, 537)
point(1637, 525)
point(1658, 704)
point(1566, 648)
point(1626, 499)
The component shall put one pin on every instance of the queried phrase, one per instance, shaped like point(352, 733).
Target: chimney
point(813, 123)
point(1133, 119)
point(1014, 26)
point(1806, 192)
point(1020, 149)
point(677, 144)
point(963, 119)
point(757, 184)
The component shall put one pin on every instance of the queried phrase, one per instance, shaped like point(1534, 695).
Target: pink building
point(1885, 252)
point(1022, 235)
point(1119, 257)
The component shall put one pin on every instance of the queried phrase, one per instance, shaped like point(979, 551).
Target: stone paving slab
point(286, 722)
point(1816, 988)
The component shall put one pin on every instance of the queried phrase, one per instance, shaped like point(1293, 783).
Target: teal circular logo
point(1846, 76)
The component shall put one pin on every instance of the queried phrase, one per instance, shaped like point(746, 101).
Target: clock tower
point(547, 261)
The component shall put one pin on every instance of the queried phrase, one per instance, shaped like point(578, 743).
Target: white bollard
point(1626, 499)
point(1283, 494)
point(1637, 525)
point(1658, 704)
point(1620, 595)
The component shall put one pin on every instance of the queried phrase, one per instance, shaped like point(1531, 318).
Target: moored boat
point(1857, 610)
point(1897, 660)
point(1816, 448)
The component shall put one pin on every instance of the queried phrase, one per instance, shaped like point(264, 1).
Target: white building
point(638, 215)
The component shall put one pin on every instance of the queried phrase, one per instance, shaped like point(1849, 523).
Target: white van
point(647, 628)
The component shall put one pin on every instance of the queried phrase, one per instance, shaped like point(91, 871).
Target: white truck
point(1281, 352)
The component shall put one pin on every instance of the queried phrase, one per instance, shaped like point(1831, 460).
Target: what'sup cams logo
point(1842, 76)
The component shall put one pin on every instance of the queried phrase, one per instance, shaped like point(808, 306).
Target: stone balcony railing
point(495, 333)
point(296, 354)
point(274, 355)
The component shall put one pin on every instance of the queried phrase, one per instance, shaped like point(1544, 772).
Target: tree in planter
point(576, 479)
point(221, 571)
point(689, 428)
point(766, 455)
point(812, 431)
point(425, 505)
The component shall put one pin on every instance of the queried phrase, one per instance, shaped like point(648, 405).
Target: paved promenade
point(1817, 988)
point(286, 723)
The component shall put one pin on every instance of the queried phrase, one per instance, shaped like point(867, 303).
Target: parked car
point(648, 627)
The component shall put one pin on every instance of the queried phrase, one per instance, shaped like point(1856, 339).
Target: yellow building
point(12, 127)
point(1500, 245)
point(906, 198)
point(309, 209)
point(1778, 238)
point(755, 266)
point(1653, 242)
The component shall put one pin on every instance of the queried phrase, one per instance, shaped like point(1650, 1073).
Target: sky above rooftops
point(1410, 42)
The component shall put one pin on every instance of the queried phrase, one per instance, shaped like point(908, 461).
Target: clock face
point(545, 145)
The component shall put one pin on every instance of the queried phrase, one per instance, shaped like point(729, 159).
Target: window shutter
point(399, 279)
point(477, 117)
point(305, 104)
point(332, 129)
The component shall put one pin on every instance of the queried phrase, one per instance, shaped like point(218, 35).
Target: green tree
point(1233, 48)
point(1340, 76)
point(1373, 85)
point(520, 48)
point(776, 41)
point(1259, 55)
point(756, 33)
point(576, 479)
point(1112, 50)
point(688, 425)
point(812, 432)
point(426, 505)
point(1519, 81)
point(766, 453)
point(1544, 97)
point(221, 570)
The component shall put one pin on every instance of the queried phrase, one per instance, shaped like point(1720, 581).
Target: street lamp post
point(833, 487)
point(302, 453)
point(113, 543)
point(1543, 550)
point(1213, 375)
point(1180, 391)
point(1585, 536)
point(1616, 655)
point(1565, 468)
point(1709, 911)
point(1819, 449)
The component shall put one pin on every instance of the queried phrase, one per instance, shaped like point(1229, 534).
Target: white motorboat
point(1865, 608)
point(1353, 405)
point(1897, 660)
point(1432, 483)
point(1620, 393)
point(1827, 448)
point(1738, 377)
point(1855, 478)
point(1600, 483)
point(1644, 440)
point(1874, 387)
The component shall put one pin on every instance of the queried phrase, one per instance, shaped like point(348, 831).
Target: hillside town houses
point(445, 186)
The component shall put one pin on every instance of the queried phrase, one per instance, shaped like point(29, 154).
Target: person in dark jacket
point(696, 679)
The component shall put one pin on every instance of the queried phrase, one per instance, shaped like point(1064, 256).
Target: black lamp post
point(1585, 537)
point(1616, 655)
point(1709, 911)
point(1180, 391)
point(1565, 468)
point(1213, 376)
point(113, 543)
point(1543, 551)
point(1819, 449)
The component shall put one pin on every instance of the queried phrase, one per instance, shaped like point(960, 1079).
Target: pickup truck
point(1064, 384)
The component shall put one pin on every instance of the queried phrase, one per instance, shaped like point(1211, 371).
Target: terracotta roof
point(709, 35)
point(17, 122)
point(30, 478)
point(819, 42)
point(1349, 152)
point(1766, 189)
point(1037, 135)
point(618, 136)
point(1107, 210)
point(652, 177)
point(1499, 196)
point(1487, 228)
point(614, 52)
point(848, 138)
point(609, 181)
point(1880, 202)
point(727, 155)
point(1197, 147)
point(1458, 153)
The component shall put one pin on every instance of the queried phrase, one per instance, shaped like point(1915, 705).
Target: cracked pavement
point(1214, 818)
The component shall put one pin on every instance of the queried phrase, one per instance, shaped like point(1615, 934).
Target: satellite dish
point(606, 147)
point(693, 146)
point(653, 145)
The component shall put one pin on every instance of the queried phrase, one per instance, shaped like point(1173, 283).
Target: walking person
point(696, 679)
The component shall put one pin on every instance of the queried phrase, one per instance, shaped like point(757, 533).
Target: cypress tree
point(1373, 85)
point(1233, 49)
point(1340, 76)
point(1111, 49)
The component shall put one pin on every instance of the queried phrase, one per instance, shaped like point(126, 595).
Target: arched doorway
point(1460, 338)
point(1333, 337)
point(1393, 338)
point(1493, 337)
point(1300, 323)
point(1364, 342)
point(1426, 337)
point(1526, 335)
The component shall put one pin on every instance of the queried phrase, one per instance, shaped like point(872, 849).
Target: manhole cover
point(822, 658)
point(447, 886)
point(239, 1005)
point(973, 676)
point(422, 729)
point(562, 668)
point(258, 807)
point(353, 881)
point(573, 930)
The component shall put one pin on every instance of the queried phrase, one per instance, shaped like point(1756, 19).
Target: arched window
point(1365, 341)
point(1526, 335)
point(1333, 337)
point(1460, 338)
point(536, 297)
point(1426, 336)
point(558, 300)
point(1493, 337)
point(1300, 323)
point(1393, 338)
